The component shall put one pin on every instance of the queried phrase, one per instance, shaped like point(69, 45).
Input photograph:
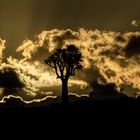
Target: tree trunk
point(65, 97)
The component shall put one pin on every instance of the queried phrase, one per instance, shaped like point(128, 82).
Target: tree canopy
point(65, 61)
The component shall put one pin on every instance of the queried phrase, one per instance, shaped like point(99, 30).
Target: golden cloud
point(105, 56)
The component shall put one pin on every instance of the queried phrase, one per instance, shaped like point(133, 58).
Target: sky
point(31, 30)
point(21, 19)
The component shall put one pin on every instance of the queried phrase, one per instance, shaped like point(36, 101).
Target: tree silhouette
point(65, 61)
point(9, 80)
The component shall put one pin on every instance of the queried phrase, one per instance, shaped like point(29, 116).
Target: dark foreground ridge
point(79, 112)
point(77, 106)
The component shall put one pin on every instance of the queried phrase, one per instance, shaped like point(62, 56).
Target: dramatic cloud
point(31, 76)
point(45, 43)
point(40, 81)
point(9, 78)
point(109, 57)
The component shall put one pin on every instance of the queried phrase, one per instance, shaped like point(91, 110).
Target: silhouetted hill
point(84, 113)
point(105, 92)
point(78, 105)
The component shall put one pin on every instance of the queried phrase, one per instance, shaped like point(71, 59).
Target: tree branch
point(58, 76)
point(49, 64)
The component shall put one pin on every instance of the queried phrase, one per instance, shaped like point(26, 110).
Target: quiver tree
point(65, 62)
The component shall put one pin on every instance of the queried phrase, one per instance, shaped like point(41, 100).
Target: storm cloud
point(109, 57)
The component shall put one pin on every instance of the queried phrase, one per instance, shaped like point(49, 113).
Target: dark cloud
point(133, 46)
point(91, 75)
point(120, 38)
point(10, 80)
point(103, 92)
